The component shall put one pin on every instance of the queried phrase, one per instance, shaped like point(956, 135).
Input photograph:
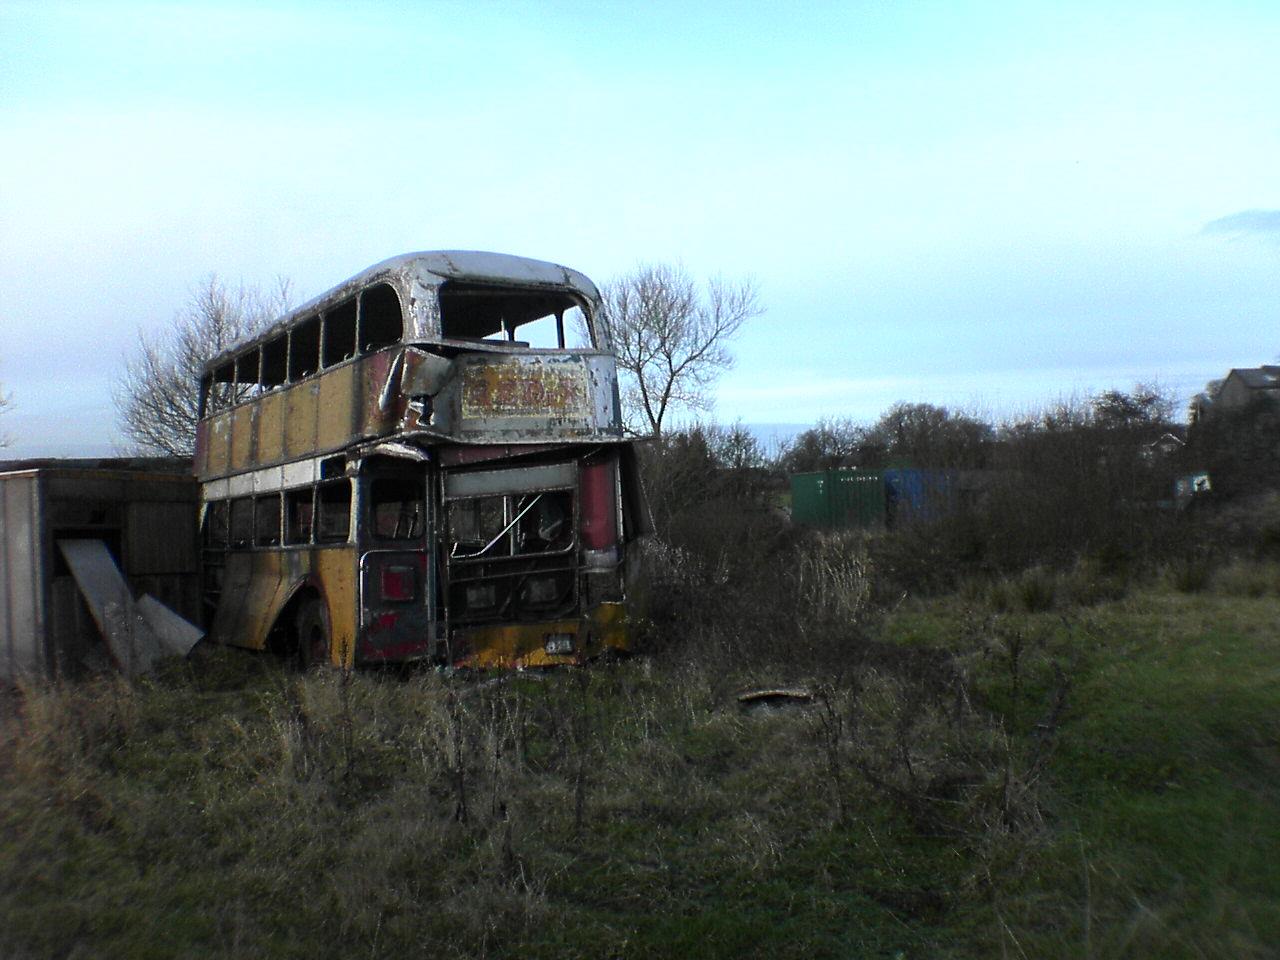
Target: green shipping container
point(834, 499)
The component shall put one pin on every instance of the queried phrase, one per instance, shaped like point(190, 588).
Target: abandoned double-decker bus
point(426, 462)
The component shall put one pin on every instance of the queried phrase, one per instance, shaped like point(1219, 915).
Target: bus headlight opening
point(542, 590)
point(481, 596)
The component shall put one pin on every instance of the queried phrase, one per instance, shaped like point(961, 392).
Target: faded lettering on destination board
point(524, 390)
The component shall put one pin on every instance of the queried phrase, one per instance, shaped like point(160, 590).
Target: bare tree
point(157, 395)
point(671, 338)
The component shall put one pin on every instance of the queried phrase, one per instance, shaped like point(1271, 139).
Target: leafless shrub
point(157, 395)
point(954, 762)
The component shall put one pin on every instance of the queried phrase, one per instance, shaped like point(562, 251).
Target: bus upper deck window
point(248, 384)
point(340, 333)
point(222, 387)
point(564, 330)
point(304, 349)
point(523, 316)
point(381, 320)
point(275, 353)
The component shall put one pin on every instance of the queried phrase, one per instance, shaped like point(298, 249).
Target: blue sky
point(984, 205)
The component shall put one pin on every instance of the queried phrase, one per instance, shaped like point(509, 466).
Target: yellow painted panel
point(286, 569)
point(255, 618)
point(300, 422)
point(256, 586)
point(335, 568)
point(243, 421)
point(271, 428)
point(337, 421)
point(609, 627)
point(219, 443)
point(522, 644)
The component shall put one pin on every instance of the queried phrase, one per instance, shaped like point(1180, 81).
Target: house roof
point(1258, 378)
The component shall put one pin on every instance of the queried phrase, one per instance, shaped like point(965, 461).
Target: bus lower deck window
point(215, 524)
point(398, 508)
point(266, 532)
point(242, 522)
point(333, 506)
point(297, 516)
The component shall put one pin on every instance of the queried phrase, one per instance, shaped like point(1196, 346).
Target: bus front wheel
point(313, 634)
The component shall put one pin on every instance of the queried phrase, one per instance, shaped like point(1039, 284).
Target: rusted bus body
point(388, 473)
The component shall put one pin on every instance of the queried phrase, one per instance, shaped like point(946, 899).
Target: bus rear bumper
point(558, 642)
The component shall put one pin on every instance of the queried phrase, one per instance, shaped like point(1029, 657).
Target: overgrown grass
point(975, 776)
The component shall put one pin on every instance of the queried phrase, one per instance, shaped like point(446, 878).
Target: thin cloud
point(1257, 223)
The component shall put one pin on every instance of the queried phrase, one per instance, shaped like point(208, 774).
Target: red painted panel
point(598, 506)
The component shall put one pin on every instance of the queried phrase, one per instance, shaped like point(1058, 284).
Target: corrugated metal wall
point(848, 497)
point(22, 627)
point(838, 499)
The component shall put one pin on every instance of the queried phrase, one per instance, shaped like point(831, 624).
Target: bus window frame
point(287, 497)
point(368, 505)
point(318, 515)
point(259, 502)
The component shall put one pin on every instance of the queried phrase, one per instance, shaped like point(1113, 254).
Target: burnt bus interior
point(531, 539)
point(512, 554)
point(552, 319)
point(536, 518)
point(355, 327)
point(471, 312)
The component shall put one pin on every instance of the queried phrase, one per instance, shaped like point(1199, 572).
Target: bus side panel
point(219, 444)
point(401, 627)
point(372, 377)
point(338, 403)
point(237, 575)
point(257, 614)
point(271, 429)
point(251, 584)
point(336, 571)
point(244, 420)
point(200, 461)
point(300, 421)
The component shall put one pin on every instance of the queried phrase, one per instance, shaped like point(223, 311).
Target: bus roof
point(429, 269)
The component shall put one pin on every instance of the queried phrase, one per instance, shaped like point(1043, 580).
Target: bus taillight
point(397, 584)
point(599, 505)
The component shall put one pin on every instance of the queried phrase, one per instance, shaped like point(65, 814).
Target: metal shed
point(143, 510)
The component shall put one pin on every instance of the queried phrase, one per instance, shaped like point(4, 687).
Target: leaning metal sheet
point(131, 641)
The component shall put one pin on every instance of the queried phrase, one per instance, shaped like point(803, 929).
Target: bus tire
point(312, 630)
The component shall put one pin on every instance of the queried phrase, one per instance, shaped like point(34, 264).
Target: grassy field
point(996, 773)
